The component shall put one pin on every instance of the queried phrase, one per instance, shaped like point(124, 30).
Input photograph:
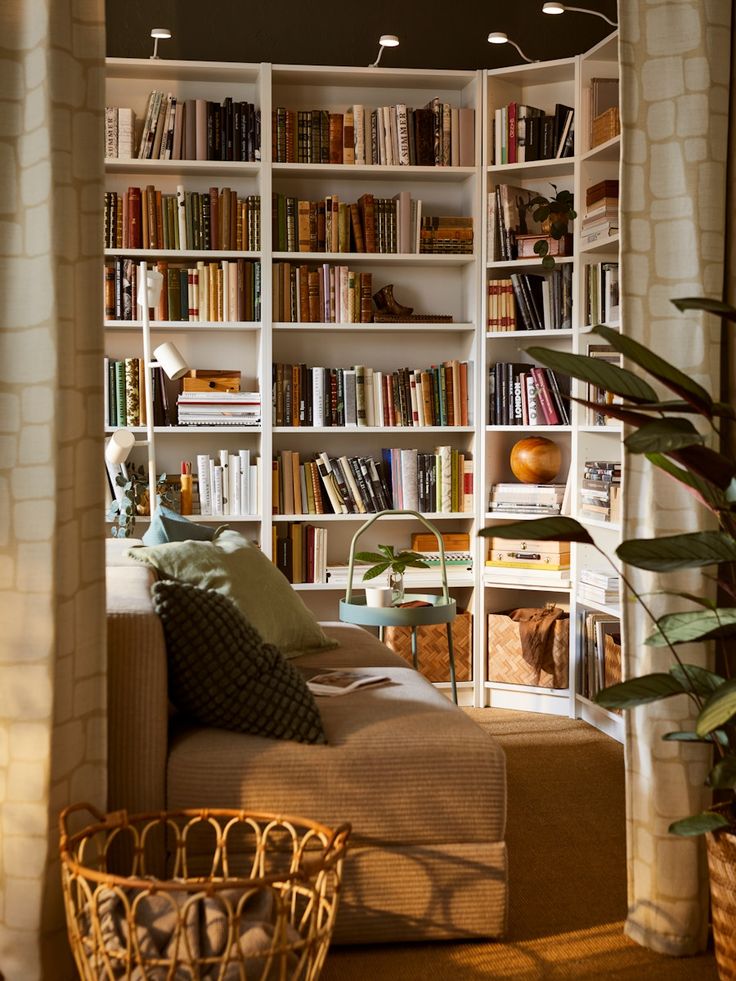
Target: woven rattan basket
point(206, 895)
point(434, 658)
point(721, 847)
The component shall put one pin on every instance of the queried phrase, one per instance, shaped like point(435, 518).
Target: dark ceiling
point(433, 33)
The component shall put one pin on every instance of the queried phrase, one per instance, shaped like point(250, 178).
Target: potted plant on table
point(664, 431)
point(386, 559)
point(134, 501)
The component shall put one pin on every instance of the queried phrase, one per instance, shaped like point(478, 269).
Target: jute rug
point(567, 873)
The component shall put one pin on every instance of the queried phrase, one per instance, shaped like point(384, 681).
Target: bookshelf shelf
point(376, 328)
point(611, 610)
point(202, 254)
point(529, 429)
point(608, 151)
point(595, 715)
point(613, 430)
point(379, 258)
point(183, 168)
point(319, 518)
point(521, 516)
point(496, 581)
point(207, 326)
point(213, 519)
point(529, 689)
point(498, 335)
point(156, 70)
point(533, 265)
point(608, 244)
point(372, 172)
point(238, 431)
point(368, 430)
point(613, 526)
point(531, 170)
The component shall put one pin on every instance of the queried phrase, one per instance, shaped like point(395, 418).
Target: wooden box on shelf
point(605, 127)
point(434, 660)
point(507, 658)
point(555, 246)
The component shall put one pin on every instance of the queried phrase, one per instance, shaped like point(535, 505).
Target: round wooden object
point(535, 460)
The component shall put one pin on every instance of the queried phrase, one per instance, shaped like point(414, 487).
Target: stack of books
point(439, 135)
point(300, 552)
point(527, 301)
point(598, 587)
point(602, 293)
point(601, 212)
point(196, 129)
point(519, 499)
point(523, 133)
point(446, 234)
point(228, 483)
point(219, 409)
point(321, 294)
point(600, 491)
point(526, 560)
point(526, 394)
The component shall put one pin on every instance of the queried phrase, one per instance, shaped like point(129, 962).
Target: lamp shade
point(170, 359)
point(155, 283)
point(119, 445)
point(388, 41)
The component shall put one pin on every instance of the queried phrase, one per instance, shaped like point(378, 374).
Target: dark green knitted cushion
point(222, 674)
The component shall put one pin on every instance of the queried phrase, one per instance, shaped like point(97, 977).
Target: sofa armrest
point(137, 698)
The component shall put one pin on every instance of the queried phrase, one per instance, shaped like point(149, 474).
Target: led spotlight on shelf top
point(385, 41)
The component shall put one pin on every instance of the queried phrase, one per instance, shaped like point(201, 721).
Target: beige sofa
point(423, 786)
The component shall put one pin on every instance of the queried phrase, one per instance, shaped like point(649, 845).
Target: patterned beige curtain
point(675, 73)
point(52, 653)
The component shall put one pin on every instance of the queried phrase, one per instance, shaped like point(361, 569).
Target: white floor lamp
point(168, 357)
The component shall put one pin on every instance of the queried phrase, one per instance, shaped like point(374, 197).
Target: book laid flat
point(333, 683)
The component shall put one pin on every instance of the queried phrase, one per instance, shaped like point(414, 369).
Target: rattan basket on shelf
point(211, 894)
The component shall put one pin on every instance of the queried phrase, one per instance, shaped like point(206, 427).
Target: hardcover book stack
point(520, 499)
point(219, 408)
point(198, 129)
point(526, 394)
point(446, 234)
point(600, 490)
point(439, 135)
point(600, 220)
point(526, 301)
point(300, 552)
point(523, 133)
point(600, 654)
point(321, 294)
point(192, 292)
point(228, 483)
point(363, 396)
point(214, 220)
point(599, 587)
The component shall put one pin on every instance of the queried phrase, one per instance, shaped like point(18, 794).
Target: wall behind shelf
point(253, 32)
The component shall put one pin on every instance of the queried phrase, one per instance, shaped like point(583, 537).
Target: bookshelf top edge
point(161, 68)
point(372, 77)
point(559, 70)
point(605, 50)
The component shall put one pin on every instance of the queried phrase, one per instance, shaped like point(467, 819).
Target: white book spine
point(182, 215)
point(212, 487)
point(255, 484)
point(111, 132)
point(318, 397)
point(351, 415)
point(224, 460)
point(444, 498)
point(246, 504)
point(233, 465)
point(370, 408)
point(203, 483)
point(359, 133)
point(409, 490)
point(378, 416)
point(531, 400)
point(403, 134)
point(217, 491)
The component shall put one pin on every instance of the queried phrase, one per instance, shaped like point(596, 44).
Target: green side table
point(443, 609)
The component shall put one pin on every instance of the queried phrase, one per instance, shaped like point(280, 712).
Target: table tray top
point(440, 611)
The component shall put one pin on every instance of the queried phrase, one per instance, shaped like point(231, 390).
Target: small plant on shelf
point(554, 214)
point(395, 563)
point(134, 500)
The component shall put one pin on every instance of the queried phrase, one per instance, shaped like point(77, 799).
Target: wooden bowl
point(535, 460)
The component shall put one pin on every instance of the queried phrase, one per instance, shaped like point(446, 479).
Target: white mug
point(377, 596)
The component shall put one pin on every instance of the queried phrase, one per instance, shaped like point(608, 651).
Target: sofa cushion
point(222, 674)
point(399, 764)
point(170, 526)
point(243, 573)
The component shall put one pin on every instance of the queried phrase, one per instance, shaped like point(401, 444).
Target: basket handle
point(381, 514)
point(103, 819)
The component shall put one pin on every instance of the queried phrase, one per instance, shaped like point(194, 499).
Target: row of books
point(518, 499)
point(439, 135)
point(600, 653)
point(600, 219)
point(207, 408)
point(371, 224)
point(528, 301)
point(228, 483)
point(119, 132)
point(124, 398)
point(602, 298)
point(600, 490)
point(146, 218)
point(523, 133)
point(362, 396)
point(526, 394)
point(321, 294)
point(300, 551)
point(192, 292)
point(509, 218)
point(595, 586)
point(190, 129)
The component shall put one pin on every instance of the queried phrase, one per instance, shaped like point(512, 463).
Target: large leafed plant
point(664, 431)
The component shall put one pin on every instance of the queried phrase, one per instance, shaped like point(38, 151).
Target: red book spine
point(544, 397)
point(512, 108)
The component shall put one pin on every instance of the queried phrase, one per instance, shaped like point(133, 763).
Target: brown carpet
point(567, 873)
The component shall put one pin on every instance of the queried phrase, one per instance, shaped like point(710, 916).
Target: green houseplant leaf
point(689, 551)
point(719, 709)
point(717, 307)
point(557, 529)
point(640, 691)
point(718, 735)
point(723, 774)
point(699, 824)
point(684, 628)
point(598, 372)
point(662, 436)
point(707, 493)
point(699, 679)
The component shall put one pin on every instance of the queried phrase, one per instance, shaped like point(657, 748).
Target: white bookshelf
point(442, 284)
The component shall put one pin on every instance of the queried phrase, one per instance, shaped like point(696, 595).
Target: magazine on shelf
point(333, 683)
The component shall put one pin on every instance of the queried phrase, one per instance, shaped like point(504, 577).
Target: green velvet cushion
point(170, 526)
point(241, 571)
point(222, 674)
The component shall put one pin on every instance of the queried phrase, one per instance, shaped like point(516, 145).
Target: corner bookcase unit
point(434, 284)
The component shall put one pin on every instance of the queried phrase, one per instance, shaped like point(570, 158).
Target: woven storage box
point(612, 665)
point(433, 658)
point(506, 659)
point(605, 127)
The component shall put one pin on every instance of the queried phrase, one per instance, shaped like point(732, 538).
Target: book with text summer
point(333, 683)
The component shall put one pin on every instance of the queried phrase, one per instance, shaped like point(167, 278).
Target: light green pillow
point(241, 571)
